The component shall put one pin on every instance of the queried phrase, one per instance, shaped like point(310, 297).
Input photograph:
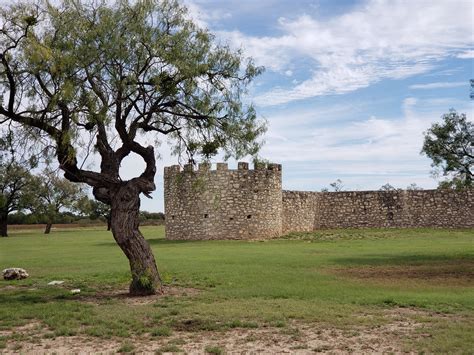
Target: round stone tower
point(222, 203)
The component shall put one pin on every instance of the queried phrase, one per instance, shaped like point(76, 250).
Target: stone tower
point(222, 203)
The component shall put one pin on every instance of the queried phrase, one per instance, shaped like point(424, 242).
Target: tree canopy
point(115, 76)
point(82, 69)
point(15, 179)
point(94, 209)
point(450, 145)
point(52, 194)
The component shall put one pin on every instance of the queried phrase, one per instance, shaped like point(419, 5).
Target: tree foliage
point(450, 145)
point(414, 187)
point(94, 209)
point(53, 194)
point(337, 185)
point(116, 75)
point(132, 67)
point(15, 179)
point(387, 187)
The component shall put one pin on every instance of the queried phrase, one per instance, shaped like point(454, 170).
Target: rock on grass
point(14, 273)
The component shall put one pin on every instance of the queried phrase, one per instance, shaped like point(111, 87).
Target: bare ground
point(124, 296)
point(455, 273)
point(296, 338)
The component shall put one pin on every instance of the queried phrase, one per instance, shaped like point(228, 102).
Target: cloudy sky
point(350, 86)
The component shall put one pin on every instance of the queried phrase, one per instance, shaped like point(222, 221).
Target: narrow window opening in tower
point(206, 215)
point(249, 216)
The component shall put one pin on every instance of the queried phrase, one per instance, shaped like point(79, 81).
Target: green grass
point(126, 347)
point(214, 349)
point(312, 277)
point(161, 331)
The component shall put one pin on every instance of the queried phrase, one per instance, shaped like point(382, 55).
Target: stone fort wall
point(223, 203)
point(308, 211)
point(248, 204)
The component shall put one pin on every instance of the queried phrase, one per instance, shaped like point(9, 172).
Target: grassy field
point(415, 285)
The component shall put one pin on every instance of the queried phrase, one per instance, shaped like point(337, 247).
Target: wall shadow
point(152, 241)
point(404, 259)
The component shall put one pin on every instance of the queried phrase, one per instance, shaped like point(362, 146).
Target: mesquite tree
point(94, 209)
point(15, 179)
point(53, 194)
point(122, 73)
point(450, 145)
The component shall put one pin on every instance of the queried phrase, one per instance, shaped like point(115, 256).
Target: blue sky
point(349, 86)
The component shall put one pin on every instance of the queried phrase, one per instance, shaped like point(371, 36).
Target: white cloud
point(466, 55)
point(317, 145)
point(446, 72)
point(202, 17)
point(272, 52)
point(439, 85)
point(382, 39)
point(364, 154)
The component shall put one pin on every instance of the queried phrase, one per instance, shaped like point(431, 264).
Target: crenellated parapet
point(206, 167)
point(202, 202)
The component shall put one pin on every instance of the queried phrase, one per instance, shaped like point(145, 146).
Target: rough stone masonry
point(248, 204)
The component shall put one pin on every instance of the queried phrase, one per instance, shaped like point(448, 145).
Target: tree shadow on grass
point(403, 259)
point(22, 297)
point(441, 270)
point(152, 241)
point(163, 241)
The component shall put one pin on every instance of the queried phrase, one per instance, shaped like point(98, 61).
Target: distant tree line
point(38, 218)
point(68, 217)
point(338, 186)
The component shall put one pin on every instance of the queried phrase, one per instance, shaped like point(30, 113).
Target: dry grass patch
point(446, 273)
point(123, 296)
point(402, 325)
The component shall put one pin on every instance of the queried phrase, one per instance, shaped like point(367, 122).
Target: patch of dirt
point(24, 329)
point(124, 296)
point(460, 273)
point(296, 338)
point(12, 287)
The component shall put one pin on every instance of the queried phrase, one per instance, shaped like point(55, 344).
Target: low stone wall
point(378, 209)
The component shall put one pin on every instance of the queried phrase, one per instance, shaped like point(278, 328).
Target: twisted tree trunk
point(125, 205)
